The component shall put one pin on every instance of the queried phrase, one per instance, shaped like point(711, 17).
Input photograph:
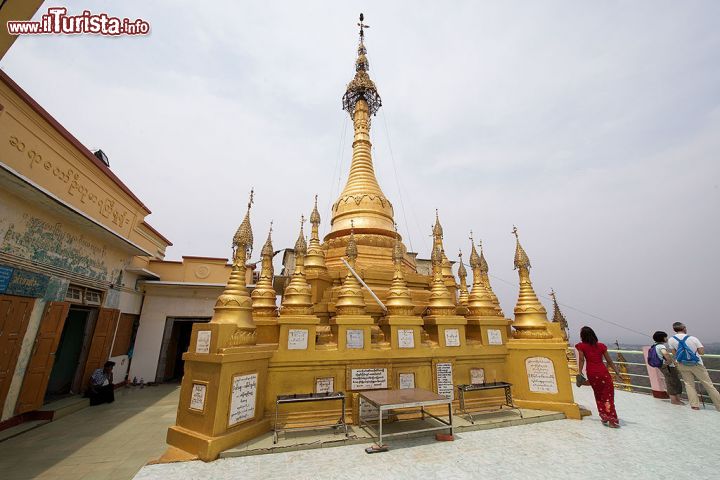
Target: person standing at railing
point(688, 350)
point(673, 385)
point(592, 351)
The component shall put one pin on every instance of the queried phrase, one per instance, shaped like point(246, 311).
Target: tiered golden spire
point(530, 315)
point(362, 201)
point(438, 241)
point(315, 259)
point(264, 296)
point(462, 275)
point(484, 269)
point(558, 316)
point(480, 302)
point(398, 300)
point(350, 298)
point(441, 302)
point(297, 299)
point(234, 305)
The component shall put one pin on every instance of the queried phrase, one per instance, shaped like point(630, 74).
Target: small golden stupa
point(356, 315)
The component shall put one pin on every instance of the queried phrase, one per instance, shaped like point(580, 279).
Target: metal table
point(309, 397)
point(463, 389)
point(387, 400)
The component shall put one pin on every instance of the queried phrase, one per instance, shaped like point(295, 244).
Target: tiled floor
point(103, 442)
point(658, 440)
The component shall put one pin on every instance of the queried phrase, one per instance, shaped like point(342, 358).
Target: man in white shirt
point(690, 373)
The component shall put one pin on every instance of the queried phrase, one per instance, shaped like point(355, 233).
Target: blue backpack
point(685, 354)
point(653, 359)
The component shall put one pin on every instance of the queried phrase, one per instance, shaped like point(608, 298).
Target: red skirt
point(602, 385)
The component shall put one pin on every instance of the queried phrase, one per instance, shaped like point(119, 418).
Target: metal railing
point(646, 389)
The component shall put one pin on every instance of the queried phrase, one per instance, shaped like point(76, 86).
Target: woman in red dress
point(592, 351)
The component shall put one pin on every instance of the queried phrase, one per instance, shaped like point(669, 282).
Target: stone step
point(66, 406)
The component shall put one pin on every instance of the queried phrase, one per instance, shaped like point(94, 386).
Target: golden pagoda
point(355, 314)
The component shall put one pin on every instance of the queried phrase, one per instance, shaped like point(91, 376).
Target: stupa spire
point(297, 299)
point(480, 302)
point(462, 275)
point(441, 302)
point(530, 314)
point(399, 301)
point(558, 316)
point(350, 298)
point(263, 296)
point(234, 305)
point(438, 242)
point(315, 259)
point(362, 200)
point(484, 273)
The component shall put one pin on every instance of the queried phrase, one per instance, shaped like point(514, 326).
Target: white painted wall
point(120, 368)
point(156, 309)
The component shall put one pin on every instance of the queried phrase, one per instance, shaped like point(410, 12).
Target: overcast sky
point(592, 126)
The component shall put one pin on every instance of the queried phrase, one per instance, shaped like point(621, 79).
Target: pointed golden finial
point(351, 250)
point(263, 296)
point(437, 234)
point(521, 258)
point(462, 275)
point(474, 257)
point(530, 315)
point(558, 316)
point(300, 243)
point(268, 248)
point(243, 240)
point(315, 215)
point(315, 258)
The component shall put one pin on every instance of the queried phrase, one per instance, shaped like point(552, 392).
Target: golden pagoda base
point(548, 389)
point(291, 366)
point(202, 428)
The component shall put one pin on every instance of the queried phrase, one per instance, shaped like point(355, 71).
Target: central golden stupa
point(356, 315)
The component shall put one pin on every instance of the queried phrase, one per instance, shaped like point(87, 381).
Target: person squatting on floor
point(101, 385)
point(688, 350)
point(667, 366)
point(593, 351)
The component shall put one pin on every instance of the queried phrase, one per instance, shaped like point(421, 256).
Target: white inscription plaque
point(444, 380)
point(406, 338)
point(494, 337)
point(355, 339)
point(541, 375)
point(452, 337)
point(368, 378)
point(477, 376)
point(242, 398)
point(324, 385)
point(297, 339)
point(197, 397)
point(407, 380)
point(202, 345)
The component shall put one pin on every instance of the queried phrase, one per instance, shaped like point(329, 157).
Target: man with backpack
point(687, 351)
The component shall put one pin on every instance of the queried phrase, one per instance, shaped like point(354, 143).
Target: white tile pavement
point(657, 440)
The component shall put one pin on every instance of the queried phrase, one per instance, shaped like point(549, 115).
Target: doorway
point(70, 355)
point(176, 341)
